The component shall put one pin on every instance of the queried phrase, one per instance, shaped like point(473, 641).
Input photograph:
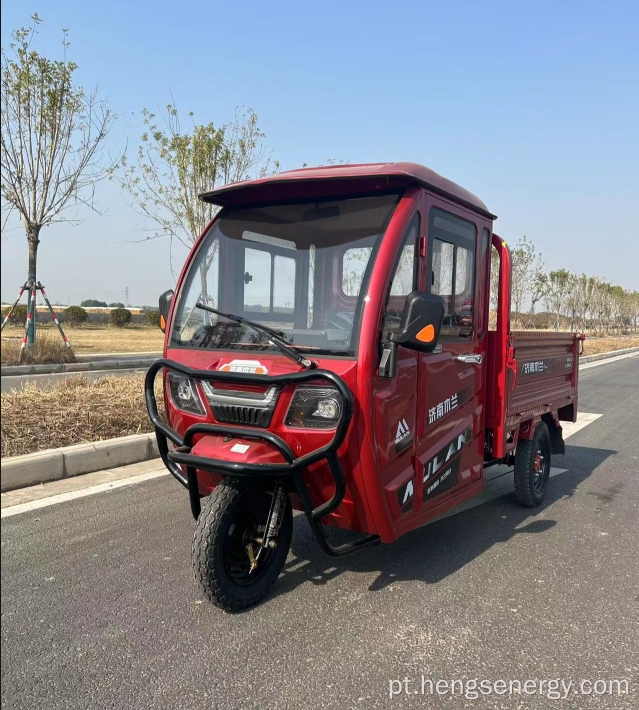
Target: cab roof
point(343, 179)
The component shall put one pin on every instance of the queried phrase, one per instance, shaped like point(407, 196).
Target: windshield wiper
point(271, 334)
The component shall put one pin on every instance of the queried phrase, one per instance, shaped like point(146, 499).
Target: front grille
point(246, 416)
point(241, 407)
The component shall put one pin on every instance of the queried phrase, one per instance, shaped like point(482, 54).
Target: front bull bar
point(293, 468)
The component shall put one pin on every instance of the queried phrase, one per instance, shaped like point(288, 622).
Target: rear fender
point(557, 444)
point(551, 420)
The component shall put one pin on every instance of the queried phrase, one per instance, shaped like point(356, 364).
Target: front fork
point(271, 528)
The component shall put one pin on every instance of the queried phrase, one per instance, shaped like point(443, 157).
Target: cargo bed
point(537, 377)
point(546, 367)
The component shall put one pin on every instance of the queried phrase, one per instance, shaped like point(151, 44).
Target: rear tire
point(532, 468)
point(230, 518)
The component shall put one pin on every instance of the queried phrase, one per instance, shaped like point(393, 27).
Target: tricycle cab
point(329, 331)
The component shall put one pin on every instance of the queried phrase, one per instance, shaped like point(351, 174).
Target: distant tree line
point(572, 301)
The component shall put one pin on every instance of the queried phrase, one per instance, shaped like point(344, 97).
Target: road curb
point(69, 461)
point(84, 366)
point(606, 356)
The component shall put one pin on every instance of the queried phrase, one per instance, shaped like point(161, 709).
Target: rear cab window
point(452, 271)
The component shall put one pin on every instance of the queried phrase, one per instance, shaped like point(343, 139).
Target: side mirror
point(418, 330)
point(421, 322)
point(165, 306)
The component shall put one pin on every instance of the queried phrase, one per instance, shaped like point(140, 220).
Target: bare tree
point(574, 298)
point(558, 284)
point(621, 308)
point(602, 305)
point(585, 285)
point(53, 134)
point(175, 164)
point(634, 309)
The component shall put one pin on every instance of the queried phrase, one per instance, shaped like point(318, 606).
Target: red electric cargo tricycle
point(328, 350)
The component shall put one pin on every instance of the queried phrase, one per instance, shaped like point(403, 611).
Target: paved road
point(99, 607)
point(10, 382)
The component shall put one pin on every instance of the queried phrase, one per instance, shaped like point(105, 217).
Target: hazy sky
point(533, 106)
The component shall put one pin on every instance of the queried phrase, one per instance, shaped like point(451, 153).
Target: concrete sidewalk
point(70, 461)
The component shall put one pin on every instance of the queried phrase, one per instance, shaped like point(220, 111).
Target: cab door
point(395, 398)
point(450, 432)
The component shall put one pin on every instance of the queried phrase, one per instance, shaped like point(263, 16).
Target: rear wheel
point(231, 567)
point(532, 468)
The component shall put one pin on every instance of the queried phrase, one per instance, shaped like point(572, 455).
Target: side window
point(403, 281)
point(283, 284)
point(485, 275)
point(354, 264)
point(452, 267)
point(270, 282)
point(257, 280)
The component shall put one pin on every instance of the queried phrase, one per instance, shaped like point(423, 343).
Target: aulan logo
point(403, 432)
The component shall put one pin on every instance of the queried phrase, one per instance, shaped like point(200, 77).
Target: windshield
point(301, 269)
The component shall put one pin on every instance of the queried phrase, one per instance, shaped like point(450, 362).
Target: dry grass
point(594, 346)
point(74, 410)
point(48, 349)
point(105, 339)
point(89, 338)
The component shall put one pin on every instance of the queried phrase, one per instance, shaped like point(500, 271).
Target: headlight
point(315, 408)
point(184, 394)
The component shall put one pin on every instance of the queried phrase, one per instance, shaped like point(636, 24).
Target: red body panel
point(499, 392)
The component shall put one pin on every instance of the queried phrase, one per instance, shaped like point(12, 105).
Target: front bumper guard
point(292, 468)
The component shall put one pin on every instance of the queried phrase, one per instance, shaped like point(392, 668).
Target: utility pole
point(126, 296)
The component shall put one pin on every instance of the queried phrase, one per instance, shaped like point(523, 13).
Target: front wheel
point(232, 568)
point(532, 468)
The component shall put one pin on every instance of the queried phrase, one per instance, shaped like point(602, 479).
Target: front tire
point(231, 518)
point(532, 468)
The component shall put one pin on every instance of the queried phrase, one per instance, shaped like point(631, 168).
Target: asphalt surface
point(100, 609)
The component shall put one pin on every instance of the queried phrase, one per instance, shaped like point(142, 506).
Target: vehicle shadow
point(442, 547)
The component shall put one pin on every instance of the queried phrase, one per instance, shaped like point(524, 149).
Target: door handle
point(473, 359)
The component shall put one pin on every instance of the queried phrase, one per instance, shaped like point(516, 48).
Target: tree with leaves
point(526, 265)
point(175, 163)
point(494, 277)
point(539, 290)
point(53, 136)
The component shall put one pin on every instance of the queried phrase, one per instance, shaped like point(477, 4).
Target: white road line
point(81, 493)
point(493, 490)
point(583, 419)
point(606, 361)
point(499, 480)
